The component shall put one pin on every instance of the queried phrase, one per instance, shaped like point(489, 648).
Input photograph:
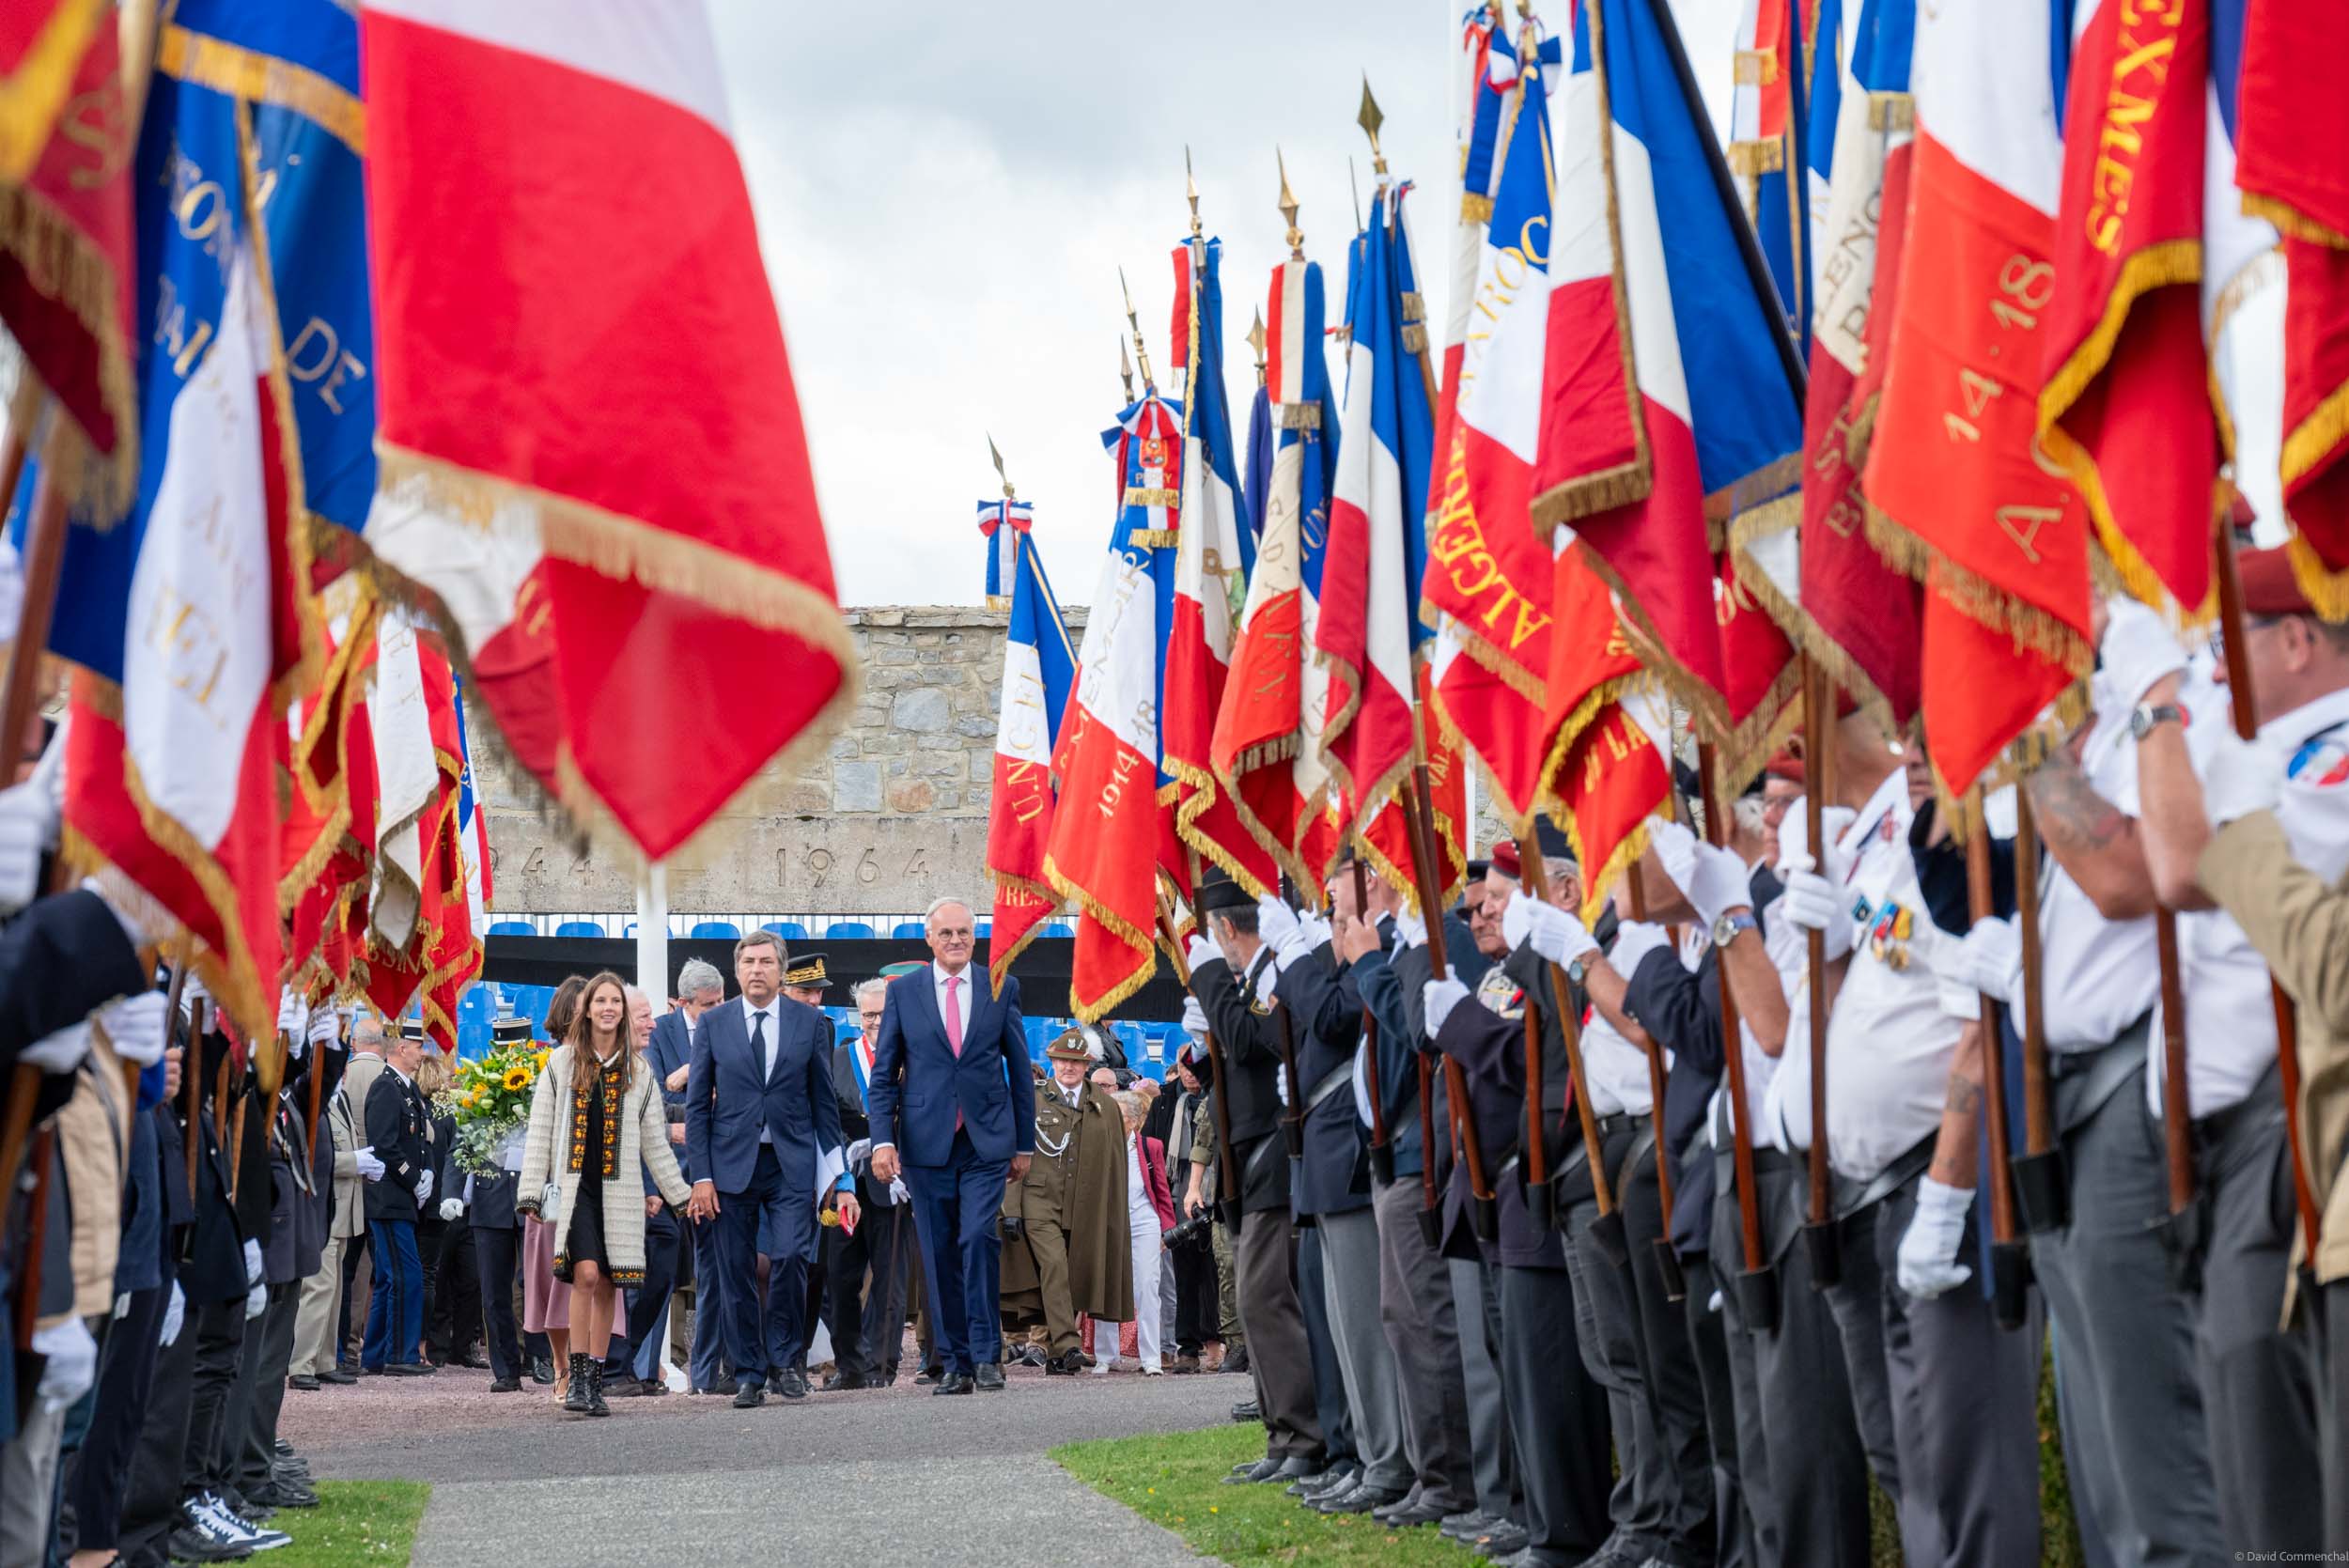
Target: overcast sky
point(945, 194)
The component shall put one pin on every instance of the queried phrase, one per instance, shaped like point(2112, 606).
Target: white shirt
point(1889, 1043)
point(771, 1034)
point(2229, 1015)
point(956, 1023)
point(2098, 975)
point(1759, 1069)
point(1140, 1211)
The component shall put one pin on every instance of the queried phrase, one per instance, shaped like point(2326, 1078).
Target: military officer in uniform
point(1235, 975)
point(397, 1131)
point(1057, 1213)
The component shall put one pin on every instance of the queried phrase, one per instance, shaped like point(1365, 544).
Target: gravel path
point(888, 1474)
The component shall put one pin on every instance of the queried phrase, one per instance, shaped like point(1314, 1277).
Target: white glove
point(325, 1028)
point(135, 1027)
point(1794, 839)
point(1556, 934)
point(2138, 648)
point(1634, 941)
point(1811, 902)
point(2242, 777)
point(1440, 998)
point(72, 1364)
point(898, 1191)
point(294, 1014)
point(26, 824)
point(1958, 999)
point(1675, 849)
point(1194, 1018)
point(369, 1167)
point(252, 1263)
point(1990, 960)
point(1410, 929)
point(1928, 1254)
point(424, 1187)
point(1317, 927)
point(1720, 881)
point(1281, 1087)
point(59, 1053)
point(1297, 941)
point(1276, 922)
point(255, 1302)
point(1202, 951)
point(452, 1207)
point(174, 1313)
point(257, 1297)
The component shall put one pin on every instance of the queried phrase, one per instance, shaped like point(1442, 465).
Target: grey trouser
point(1166, 1305)
point(28, 1487)
point(2134, 1436)
point(1312, 1305)
point(1279, 1361)
point(2330, 1311)
point(1422, 1334)
point(269, 1348)
point(1556, 1416)
point(2259, 1383)
point(1609, 1330)
point(1675, 1391)
point(1745, 1531)
point(1476, 1314)
point(313, 1320)
point(1350, 1271)
point(1965, 1406)
point(1811, 1504)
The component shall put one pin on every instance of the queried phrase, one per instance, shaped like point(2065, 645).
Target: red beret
point(2269, 587)
point(1785, 765)
point(1504, 857)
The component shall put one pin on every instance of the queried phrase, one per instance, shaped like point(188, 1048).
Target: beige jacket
point(2301, 927)
point(639, 1135)
point(351, 1198)
point(93, 1145)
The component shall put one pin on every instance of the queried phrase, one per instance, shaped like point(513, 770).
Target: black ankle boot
point(596, 1404)
point(579, 1398)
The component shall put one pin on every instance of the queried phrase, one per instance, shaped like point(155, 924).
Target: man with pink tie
point(953, 1109)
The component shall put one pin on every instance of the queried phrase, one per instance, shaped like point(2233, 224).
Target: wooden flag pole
point(1658, 1084)
point(1227, 1165)
point(1419, 813)
point(1822, 1243)
point(191, 1090)
point(2245, 713)
point(2008, 1268)
point(1608, 1230)
point(2040, 1189)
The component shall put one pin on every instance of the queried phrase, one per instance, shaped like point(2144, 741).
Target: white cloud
point(945, 193)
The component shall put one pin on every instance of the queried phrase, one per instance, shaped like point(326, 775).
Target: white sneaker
point(241, 1532)
point(1101, 1367)
point(1150, 1371)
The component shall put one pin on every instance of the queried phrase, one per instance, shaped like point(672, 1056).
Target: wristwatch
point(1732, 922)
point(1577, 970)
point(2143, 717)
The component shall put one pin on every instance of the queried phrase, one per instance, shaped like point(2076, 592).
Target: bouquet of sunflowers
point(490, 1097)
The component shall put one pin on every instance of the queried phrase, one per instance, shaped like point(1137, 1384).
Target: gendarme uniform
point(2132, 1411)
point(1048, 1204)
point(1963, 1392)
point(2257, 1380)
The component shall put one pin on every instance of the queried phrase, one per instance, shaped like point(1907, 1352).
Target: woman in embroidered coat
point(597, 1120)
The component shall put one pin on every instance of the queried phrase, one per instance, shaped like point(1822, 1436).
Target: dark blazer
point(211, 1260)
point(672, 1048)
point(1327, 1001)
point(730, 1099)
point(395, 1129)
point(1248, 1037)
point(61, 959)
point(1491, 1049)
point(920, 1086)
point(493, 1207)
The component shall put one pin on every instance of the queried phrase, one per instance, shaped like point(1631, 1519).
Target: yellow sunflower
point(540, 1059)
point(518, 1077)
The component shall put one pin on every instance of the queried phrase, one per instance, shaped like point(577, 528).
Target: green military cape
point(1100, 1247)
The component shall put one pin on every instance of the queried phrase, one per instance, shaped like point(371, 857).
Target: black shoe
point(989, 1379)
point(793, 1384)
point(506, 1386)
point(841, 1382)
point(1294, 1469)
point(410, 1368)
point(302, 1381)
point(190, 1544)
point(467, 1359)
point(1504, 1540)
point(953, 1383)
point(750, 1396)
point(1409, 1514)
point(925, 1377)
point(338, 1375)
point(1235, 1361)
point(279, 1494)
point(596, 1404)
point(543, 1372)
point(1467, 1525)
point(622, 1385)
point(1064, 1366)
point(1358, 1500)
point(1246, 1410)
point(576, 1398)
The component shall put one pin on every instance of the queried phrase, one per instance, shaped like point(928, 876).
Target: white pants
point(1144, 1234)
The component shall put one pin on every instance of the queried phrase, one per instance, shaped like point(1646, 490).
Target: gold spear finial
point(1008, 493)
point(1370, 119)
point(1288, 208)
point(1190, 193)
point(1256, 341)
point(1141, 348)
point(1125, 369)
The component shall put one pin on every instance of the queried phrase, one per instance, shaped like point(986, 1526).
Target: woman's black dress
point(598, 1139)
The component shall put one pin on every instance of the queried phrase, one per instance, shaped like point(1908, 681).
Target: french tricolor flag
point(1005, 522)
point(1039, 667)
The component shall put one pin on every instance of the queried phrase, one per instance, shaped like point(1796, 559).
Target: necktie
point(954, 1015)
point(758, 1044)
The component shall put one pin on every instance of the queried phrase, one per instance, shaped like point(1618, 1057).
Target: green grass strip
point(356, 1522)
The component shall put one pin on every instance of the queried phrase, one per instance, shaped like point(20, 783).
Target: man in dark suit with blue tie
point(953, 1106)
point(760, 1122)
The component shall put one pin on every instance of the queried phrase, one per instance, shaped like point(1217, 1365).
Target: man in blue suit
point(760, 1123)
point(953, 1106)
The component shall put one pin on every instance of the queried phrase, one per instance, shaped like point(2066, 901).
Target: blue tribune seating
point(789, 930)
point(579, 929)
point(847, 931)
point(909, 931)
point(512, 928)
point(715, 930)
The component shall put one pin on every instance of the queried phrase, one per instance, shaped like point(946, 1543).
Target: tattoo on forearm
point(2072, 814)
point(1965, 1097)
